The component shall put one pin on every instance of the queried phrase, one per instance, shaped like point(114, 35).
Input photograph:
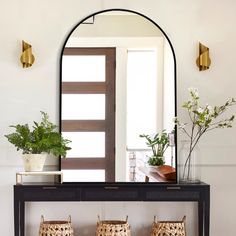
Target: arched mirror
point(118, 81)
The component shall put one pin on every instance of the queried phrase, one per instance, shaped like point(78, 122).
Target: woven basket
point(56, 228)
point(168, 228)
point(113, 228)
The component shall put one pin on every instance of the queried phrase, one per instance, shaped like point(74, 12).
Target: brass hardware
point(49, 188)
point(19, 175)
point(203, 61)
point(27, 58)
point(111, 188)
point(173, 188)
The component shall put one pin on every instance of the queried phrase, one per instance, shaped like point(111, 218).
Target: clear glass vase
point(189, 164)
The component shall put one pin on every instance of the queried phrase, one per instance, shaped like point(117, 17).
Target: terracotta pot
point(167, 172)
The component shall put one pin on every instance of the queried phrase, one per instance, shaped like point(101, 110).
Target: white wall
point(24, 92)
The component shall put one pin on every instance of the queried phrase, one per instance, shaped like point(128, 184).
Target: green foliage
point(42, 138)
point(155, 161)
point(158, 143)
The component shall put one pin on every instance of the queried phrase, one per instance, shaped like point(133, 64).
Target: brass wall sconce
point(203, 61)
point(27, 58)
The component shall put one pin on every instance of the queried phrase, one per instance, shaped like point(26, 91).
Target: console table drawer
point(109, 194)
point(172, 195)
point(51, 194)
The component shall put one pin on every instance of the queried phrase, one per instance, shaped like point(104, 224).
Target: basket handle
point(126, 220)
point(69, 219)
point(42, 219)
point(154, 220)
point(184, 219)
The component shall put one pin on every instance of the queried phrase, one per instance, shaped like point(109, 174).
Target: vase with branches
point(203, 119)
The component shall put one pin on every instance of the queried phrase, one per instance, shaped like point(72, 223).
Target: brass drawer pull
point(49, 188)
point(173, 188)
point(111, 188)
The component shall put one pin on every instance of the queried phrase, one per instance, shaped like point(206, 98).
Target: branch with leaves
point(202, 119)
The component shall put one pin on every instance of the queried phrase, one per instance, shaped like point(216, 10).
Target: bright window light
point(77, 68)
point(141, 96)
point(86, 144)
point(84, 175)
point(74, 107)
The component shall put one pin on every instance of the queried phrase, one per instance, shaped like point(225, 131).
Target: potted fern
point(38, 142)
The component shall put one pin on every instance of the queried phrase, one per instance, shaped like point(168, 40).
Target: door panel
point(90, 127)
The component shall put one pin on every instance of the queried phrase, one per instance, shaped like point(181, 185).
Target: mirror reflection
point(117, 94)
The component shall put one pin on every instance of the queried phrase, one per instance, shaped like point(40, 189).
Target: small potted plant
point(158, 143)
point(38, 142)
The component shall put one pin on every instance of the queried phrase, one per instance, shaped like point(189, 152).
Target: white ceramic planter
point(34, 162)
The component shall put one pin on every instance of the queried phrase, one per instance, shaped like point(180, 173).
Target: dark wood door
point(99, 90)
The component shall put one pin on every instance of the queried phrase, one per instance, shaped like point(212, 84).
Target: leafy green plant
point(156, 161)
point(158, 143)
point(43, 138)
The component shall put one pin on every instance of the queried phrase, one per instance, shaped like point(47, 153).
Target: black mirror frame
point(175, 90)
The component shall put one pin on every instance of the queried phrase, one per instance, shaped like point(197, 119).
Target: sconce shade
point(203, 61)
point(27, 58)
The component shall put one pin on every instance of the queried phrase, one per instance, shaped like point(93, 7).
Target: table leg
point(16, 216)
point(200, 217)
point(22, 218)
point(207, 213)
point(146, 179)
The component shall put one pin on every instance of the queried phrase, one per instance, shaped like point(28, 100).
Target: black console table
point(112, 192)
